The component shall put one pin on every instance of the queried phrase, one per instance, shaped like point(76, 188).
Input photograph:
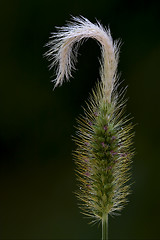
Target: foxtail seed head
point(104, 134)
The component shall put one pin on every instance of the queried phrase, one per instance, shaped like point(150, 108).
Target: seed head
point(104, 135)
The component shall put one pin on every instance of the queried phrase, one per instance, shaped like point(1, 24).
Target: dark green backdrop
point(36, 124)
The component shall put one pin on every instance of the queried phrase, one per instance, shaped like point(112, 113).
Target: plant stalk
point(105, 227)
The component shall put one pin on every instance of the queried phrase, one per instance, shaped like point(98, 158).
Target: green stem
point(105, 227)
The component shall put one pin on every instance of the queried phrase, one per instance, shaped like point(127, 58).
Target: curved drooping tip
point(64, 44)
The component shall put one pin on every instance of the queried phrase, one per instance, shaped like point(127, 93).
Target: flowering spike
point(104, 137)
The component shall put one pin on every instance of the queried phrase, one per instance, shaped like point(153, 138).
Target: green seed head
point(103, 156)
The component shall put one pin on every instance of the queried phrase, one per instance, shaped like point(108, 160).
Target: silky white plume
point(63, 48)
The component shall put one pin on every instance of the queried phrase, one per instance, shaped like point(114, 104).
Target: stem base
point(105, 227)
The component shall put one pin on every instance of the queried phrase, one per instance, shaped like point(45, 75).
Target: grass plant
point(104, 134)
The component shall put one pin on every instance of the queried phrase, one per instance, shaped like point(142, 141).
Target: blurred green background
point(36, 124)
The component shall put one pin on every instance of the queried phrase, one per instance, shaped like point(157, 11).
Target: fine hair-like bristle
point(104, 135)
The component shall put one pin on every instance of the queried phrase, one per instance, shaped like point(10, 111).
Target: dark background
point(36, 124)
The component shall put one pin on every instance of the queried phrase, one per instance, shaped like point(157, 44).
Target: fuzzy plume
point(104, 134)
point(63, 48)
